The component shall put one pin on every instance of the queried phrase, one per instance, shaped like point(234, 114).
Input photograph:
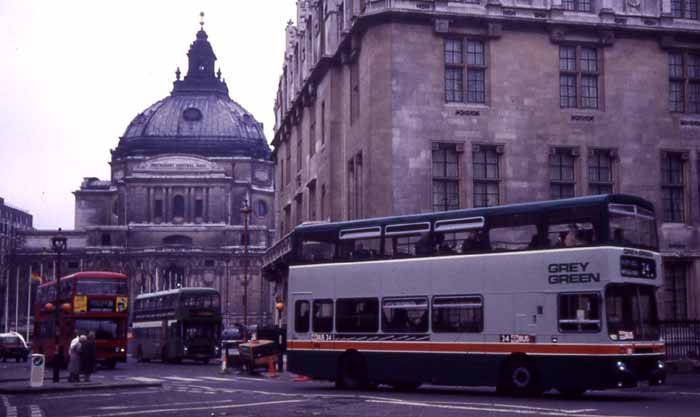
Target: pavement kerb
point(23, 389)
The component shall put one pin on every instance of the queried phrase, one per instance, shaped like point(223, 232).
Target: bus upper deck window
point(317, 251)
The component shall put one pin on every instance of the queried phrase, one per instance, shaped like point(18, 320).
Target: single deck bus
point(184, 323)
point(525, 297)
point(89, 302)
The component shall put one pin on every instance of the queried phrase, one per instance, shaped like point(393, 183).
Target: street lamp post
point(59, 244)
point(245, 211)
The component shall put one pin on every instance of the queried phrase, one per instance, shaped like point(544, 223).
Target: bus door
point(301, 316)
point(529, 312)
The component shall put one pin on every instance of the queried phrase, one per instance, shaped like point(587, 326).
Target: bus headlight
point(122, 350)
point(621, 366)
point(116, 349)
point(660, 364)
point(185, 349)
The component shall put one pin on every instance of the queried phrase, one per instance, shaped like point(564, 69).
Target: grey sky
point(74, 73)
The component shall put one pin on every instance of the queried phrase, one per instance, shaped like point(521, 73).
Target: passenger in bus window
point(442, 246)
point(619, 236)
point(424, 245)
point(537, 242)
point(476, 242)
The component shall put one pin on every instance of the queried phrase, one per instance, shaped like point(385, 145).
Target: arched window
point(260, 208)
point(178, 206)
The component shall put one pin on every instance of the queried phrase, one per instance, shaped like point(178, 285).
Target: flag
point(37, 278)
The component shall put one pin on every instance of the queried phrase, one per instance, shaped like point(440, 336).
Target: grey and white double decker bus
point(525, 297)
point(172, 325)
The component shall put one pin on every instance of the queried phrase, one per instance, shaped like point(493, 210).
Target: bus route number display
point(517, 338)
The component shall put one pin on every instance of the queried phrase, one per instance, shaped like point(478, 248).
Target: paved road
point(199, 390)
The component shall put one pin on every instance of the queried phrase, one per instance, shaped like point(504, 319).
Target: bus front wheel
point(352, 372)
point(519, 378)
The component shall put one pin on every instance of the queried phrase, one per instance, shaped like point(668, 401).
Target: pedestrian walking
point(88, 355)
point(74, 360)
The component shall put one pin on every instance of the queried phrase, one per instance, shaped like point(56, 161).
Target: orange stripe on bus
point(563, 349)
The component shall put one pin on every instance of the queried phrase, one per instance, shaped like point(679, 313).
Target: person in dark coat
point(88, 356)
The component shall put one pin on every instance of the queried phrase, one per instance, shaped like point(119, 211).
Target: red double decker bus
point(89, 302)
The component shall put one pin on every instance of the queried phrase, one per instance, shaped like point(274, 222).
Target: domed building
point(171, 213)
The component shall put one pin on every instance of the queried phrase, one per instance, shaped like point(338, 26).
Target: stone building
point(13, 223)
point(389, 107)
point(170, 214)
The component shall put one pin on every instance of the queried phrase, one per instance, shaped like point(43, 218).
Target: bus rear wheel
point(352, 372)
point(519, 378)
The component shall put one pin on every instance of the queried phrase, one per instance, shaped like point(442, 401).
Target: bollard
point(224, 362)
point(271, 370)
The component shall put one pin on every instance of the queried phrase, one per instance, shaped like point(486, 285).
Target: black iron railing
point(682, 338)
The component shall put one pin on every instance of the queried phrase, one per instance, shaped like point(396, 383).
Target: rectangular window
point(288, 163)
point(485, 161)
point(300, 155)
point(298, 209)
point(198, 208)
point(357, 315)
point(672, 186)
point(458, 314)
point(687, 9)
point(323, 316)
point(355, 187)
point(600, 171)
point(301, 316)
point(354, 91)
point(287, 227)
point(579, 312)
point(312, 130)
point(405, 315)
point(323, 123)
point(465, 56)
point(684, 82)
point(579, 70)
point(577, 5)
point(312, 201)
point(445, 177)
point(676, 292)
point(158, 209)
point(562, 173)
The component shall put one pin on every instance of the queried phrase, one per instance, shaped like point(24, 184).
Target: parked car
point(12, 345)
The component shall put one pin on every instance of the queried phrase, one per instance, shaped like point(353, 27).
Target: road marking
point(493, 409)
point(217, 378)
point(35, 411)
point(145, 379)
point(217, 407)
point(179, 378)
point(121, 393)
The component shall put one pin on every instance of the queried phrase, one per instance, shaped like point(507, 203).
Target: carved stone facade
point(170, 215)
point(14, 223)
point(390, 107)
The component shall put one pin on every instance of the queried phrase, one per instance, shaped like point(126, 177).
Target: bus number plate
point(517, 338)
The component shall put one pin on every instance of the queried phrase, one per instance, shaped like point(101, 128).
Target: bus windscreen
point(633, 225)
point(105, 329)
point(631, 312)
